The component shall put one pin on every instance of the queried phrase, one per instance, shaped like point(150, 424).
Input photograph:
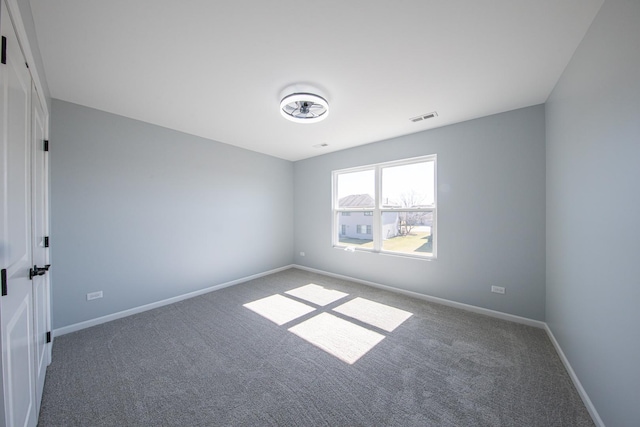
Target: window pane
point(356, 189)
point(409, 185)
point(352, 230)
point(408, 232)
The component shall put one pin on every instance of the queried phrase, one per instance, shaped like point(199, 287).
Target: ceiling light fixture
point(304, 107)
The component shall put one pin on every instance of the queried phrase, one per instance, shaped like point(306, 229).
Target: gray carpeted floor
point(211, 361)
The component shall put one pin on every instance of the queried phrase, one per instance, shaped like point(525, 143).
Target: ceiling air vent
point(424, 117)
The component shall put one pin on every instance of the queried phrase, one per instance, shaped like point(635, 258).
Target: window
point(390, 206)
point(364, 229)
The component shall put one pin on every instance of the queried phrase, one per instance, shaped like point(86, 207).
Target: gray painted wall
point(145, 213)
point(491, 214)
point(593, 212)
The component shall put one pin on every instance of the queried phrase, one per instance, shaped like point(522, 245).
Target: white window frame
point(378, 210)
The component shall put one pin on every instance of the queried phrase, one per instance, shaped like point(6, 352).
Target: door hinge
point(4, 50)
point(46, 145)
point(4, 281)
point(46, 241)
point(48, 337)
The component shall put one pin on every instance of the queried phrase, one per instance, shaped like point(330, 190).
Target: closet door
point(16, 303)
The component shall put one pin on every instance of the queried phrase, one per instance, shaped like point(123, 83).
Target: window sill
point(388, 253)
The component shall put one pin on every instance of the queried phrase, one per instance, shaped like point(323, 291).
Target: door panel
point(19, 359)
point(16, 309)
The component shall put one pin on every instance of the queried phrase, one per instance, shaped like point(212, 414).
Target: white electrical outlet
point(498, 289)
point(94, 295)
point(302, 254)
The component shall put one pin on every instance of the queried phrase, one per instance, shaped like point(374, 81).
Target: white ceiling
point(218, 69)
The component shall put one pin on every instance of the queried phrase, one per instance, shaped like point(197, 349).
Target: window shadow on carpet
point(331, 327)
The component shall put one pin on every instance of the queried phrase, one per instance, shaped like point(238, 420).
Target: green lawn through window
point(415, 242)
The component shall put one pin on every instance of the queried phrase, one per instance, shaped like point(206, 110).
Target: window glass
point(352, 233)
point(408, 186)
point(356, 189)
point(413, 233)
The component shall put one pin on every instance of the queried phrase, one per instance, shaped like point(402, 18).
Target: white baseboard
point(99, 320)
point(576, 382)
point(467, 307)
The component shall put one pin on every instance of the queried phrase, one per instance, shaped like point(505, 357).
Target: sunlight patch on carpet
point(279, 309)
point(375, 314)
point(317, 294)
point(340, 338)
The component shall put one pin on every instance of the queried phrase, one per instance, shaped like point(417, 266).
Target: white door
point(16, 307)
point(40, 242)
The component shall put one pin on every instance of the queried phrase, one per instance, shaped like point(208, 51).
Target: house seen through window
point(387, 207)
